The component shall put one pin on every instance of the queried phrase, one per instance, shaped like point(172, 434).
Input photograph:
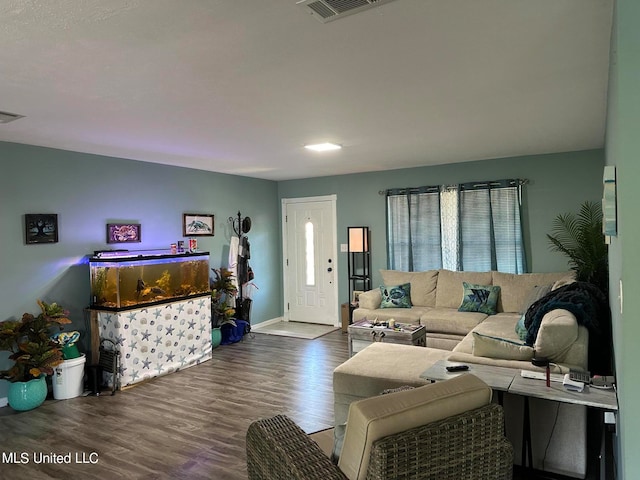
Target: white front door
point(310, 263)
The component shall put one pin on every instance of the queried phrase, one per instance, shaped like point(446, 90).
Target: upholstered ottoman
point(378, 367)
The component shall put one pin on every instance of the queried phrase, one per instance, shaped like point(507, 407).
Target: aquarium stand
point(155, 340)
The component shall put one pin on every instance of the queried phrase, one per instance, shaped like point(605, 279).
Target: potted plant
point(580, 238)
point(34, 354)
point(223, 293)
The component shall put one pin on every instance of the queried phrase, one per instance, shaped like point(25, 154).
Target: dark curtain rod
point(463, 186)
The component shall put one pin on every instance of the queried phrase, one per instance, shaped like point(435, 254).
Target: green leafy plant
point(223, 293)
point(580, 238)
point(29, 340)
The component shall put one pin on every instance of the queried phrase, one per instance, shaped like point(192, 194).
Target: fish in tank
point(122, 280)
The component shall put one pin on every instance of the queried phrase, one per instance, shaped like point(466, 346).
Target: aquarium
point(133, 279)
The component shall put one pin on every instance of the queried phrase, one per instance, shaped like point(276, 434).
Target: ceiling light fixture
point(323, 147)
point(6, 117)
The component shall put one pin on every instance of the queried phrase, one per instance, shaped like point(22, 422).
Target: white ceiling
point(239, 86)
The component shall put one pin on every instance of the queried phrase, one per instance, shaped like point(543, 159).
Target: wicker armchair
point(470, 445)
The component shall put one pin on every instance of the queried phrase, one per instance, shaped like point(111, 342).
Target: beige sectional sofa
point(559, 437)
point(436, 296)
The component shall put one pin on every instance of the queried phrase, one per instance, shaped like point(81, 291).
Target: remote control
point(583, 377)
point(457, 368)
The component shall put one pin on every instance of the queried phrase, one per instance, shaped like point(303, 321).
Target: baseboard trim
point(258, 326)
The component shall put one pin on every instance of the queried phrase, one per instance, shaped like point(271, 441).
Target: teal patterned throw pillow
point(479, 298)
point(396, 296)
point(521, 330)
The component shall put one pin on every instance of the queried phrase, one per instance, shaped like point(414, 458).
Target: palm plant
point(580, 238)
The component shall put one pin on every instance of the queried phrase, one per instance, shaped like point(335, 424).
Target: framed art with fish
point(124, 232)
point(41, 228)
point(197, 224)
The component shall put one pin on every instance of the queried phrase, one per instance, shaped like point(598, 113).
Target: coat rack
point(244, 274)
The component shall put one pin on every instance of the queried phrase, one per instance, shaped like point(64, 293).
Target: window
point(472, 226)
point(309, 255)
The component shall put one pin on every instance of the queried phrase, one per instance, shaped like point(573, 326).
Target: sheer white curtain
point(472, 226)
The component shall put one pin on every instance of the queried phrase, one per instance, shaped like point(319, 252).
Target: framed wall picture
point(124, 232)
point(197, 225)
point(41, 228)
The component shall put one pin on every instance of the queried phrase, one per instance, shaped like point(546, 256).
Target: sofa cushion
point(502, 325)
point(495, 347)
point(423, 285)
point(514, 288)
point(499, 326)
point(374, 418)
point(535, 294)
point(395, 296)
point(450, 291)
point(370, 300)
point(449, 320)
point(558, 332)
point(479, 298)
point(570, 278)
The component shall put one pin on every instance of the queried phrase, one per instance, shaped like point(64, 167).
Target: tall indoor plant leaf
point(579, 237)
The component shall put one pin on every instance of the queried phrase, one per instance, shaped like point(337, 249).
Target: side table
point(498, 378)
point(603, 400)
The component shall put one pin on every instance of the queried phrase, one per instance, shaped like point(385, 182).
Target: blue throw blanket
point(584, 300)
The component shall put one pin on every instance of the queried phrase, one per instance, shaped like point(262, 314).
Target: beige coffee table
point(364, 332)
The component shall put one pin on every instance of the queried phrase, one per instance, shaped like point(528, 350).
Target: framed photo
point(197, 225)
point(355, 297)
point(41, 228)
point(124, 233)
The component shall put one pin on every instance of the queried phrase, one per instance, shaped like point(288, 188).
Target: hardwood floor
point(187, 425)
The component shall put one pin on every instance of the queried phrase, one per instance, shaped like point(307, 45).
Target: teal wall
point(623, 151)
point(89, 191)
point(558, 183)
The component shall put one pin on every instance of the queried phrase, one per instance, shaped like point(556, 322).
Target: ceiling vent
point(329, 10)
point(6, 117)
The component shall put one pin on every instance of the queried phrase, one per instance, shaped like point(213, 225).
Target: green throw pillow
point(521, 330)
point(396, 296)
point(479, 298)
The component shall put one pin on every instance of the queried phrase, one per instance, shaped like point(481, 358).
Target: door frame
point(333, 198)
